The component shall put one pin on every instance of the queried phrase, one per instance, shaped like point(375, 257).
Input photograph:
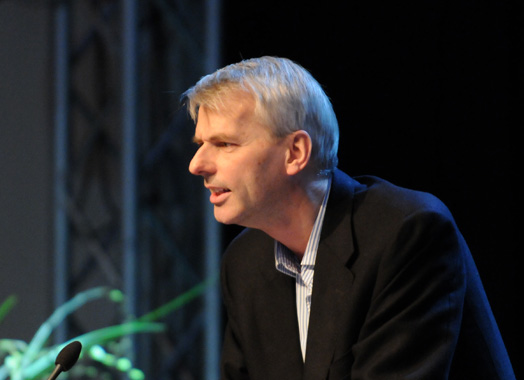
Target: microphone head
point(69, 355)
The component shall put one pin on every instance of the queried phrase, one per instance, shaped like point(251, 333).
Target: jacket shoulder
point(389, 199)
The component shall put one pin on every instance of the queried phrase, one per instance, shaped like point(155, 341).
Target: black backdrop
point(428, 95)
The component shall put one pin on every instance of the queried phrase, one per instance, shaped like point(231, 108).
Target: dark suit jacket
point(395, 296)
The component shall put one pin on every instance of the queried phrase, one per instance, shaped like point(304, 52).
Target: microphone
point(66, 359)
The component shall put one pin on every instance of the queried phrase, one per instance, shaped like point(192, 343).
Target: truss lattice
point(128, 215)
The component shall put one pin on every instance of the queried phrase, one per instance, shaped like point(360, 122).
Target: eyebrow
point(215, 138)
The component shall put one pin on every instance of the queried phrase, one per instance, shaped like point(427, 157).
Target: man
point(334, 277)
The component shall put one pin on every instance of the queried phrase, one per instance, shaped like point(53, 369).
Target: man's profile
point(334, 277)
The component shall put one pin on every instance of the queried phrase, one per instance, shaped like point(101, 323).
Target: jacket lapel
point(333, 279)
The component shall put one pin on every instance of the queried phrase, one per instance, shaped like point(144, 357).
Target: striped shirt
point(303, 271)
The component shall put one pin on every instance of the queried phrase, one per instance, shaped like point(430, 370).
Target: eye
point(224, 144)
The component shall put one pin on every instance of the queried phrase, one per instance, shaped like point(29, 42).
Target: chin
point(225, 219)
point(231, 218)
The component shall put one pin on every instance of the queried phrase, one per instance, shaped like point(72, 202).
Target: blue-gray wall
point(25, 165)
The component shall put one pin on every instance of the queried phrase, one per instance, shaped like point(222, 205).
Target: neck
point(300, 211)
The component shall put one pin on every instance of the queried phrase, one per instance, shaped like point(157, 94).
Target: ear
point(299, 152)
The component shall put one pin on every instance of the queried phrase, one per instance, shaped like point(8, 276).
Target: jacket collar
point(337, 222)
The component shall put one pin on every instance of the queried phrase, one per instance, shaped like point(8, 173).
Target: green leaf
point(7, 306)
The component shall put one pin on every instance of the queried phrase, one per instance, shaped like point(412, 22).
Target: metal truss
point(127, 213)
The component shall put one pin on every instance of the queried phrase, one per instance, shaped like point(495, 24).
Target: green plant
point(33, 360)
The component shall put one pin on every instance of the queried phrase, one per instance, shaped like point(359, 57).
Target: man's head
point(265, 131)
point(287, 99)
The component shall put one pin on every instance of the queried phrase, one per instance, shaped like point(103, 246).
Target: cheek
point(268, 175)
point(255, 174)
point(272, 160)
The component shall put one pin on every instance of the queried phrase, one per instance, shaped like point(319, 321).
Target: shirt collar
point(287, 262)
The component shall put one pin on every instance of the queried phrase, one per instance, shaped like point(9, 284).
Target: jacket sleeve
point(232, 363)
point(232, 366)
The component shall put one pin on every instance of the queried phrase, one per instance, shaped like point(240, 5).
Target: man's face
point(242, 164)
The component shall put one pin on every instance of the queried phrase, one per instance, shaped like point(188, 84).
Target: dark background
point(428, 95)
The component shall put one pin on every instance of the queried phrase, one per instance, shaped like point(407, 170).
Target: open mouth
point(219, 191)
point(218, 195)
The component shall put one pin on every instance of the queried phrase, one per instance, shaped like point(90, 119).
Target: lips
point(218, 194)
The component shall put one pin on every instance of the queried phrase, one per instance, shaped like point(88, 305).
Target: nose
point(201, 163)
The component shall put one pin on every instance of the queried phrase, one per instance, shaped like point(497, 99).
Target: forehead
point(232, 103)
point(235, 114)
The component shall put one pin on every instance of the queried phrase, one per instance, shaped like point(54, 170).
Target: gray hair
point(287, 99)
